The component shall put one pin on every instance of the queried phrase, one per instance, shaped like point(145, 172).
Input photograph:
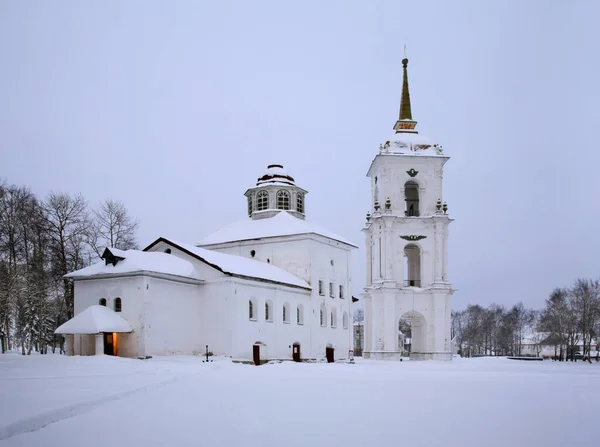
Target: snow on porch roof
point(93, 320)
point(282, 224)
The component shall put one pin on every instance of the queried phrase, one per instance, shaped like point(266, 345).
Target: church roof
point(282, 224)
point(132, 261)
point(275, 175)
point(238, 266)
point(93, 320)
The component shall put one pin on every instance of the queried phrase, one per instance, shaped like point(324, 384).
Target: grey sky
point(176, 108)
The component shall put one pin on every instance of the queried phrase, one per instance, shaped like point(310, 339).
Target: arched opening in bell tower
point(413, 327)
point(412, 266)
point(411, 199)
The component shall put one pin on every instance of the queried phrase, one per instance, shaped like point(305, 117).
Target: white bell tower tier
point(407, 297)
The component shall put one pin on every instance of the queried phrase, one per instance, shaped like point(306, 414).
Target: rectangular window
point(321, 291)
point(341, 291)
point(331, 290)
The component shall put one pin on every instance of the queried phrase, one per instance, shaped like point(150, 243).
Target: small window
point(269, 311)
point(249, 205)
point(321, 291)
point(252, 253)
point(251, 310)
point(345, 320)
point(341, 291)
point(102, 302)
point(168, 251)
point(117, 304)
point(286, 313)
point(262, 201)
point(300, 202)
point(323, 316)
point(283, 200)
point(333, 318)
point(331, 290)
point(299, 315)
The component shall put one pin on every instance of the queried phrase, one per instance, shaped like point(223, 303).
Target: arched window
point(299, 314)
point(249, 205)
point(411, 196)
point(412, 266)
point(102, 301)
point(117, 304)
point(323, 315)
point(283, 200)
point(300, 202)
point(262, 201)
point(345, 320)
point(251, 310)
point(269, 311)
point(286, 313)
point(333, 317)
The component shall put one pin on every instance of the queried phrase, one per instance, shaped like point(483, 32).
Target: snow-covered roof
point(139, 261)
point(237, 265)
point(93, 320)
point(275, 174)
point(411, 144)
point(282, 224)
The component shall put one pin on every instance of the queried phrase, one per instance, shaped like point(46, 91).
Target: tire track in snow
point(50, 417)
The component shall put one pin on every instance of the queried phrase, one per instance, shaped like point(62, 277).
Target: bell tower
point(407, 296)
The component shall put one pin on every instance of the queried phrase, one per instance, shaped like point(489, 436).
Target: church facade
point(407, 287)
point(272, 286)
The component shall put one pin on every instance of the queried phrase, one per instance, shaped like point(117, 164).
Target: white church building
point(407, 246)
point(272, 286)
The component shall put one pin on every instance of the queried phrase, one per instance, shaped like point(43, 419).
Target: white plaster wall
point(172, 315)
point(277, 335)
point(130, 290)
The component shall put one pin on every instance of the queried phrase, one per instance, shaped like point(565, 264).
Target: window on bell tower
point(262, 201)
point(249, 205)
point(283, 200)
point(411, 196)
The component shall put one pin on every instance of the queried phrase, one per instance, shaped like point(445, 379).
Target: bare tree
point(68, 222)
point(586, 303)
point(112, 226)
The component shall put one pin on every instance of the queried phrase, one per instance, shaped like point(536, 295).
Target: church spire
point(405, 122)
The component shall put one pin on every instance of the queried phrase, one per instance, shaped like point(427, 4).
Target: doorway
point(256, 354)
point(329, 351)
point(110, 343)
point(296, 352)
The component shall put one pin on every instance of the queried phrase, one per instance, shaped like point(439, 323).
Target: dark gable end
point(110, 258)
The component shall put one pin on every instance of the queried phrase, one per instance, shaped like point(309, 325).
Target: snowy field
point(179, 401)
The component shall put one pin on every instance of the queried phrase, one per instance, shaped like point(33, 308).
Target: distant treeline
point(571, 318)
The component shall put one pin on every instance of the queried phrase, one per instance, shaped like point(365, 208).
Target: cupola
point(275, 191)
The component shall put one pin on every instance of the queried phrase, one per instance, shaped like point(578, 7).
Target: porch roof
point(93, 320)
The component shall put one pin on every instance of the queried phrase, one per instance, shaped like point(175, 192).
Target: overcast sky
point(175, 108)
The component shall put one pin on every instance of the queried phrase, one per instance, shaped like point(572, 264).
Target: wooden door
point(256, 354)
point(108, 344)
point(296, 352)
point(329, 354)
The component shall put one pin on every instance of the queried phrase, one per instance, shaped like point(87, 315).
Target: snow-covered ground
point(179, 401)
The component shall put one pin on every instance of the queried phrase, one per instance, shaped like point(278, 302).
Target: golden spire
point(405, 122)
